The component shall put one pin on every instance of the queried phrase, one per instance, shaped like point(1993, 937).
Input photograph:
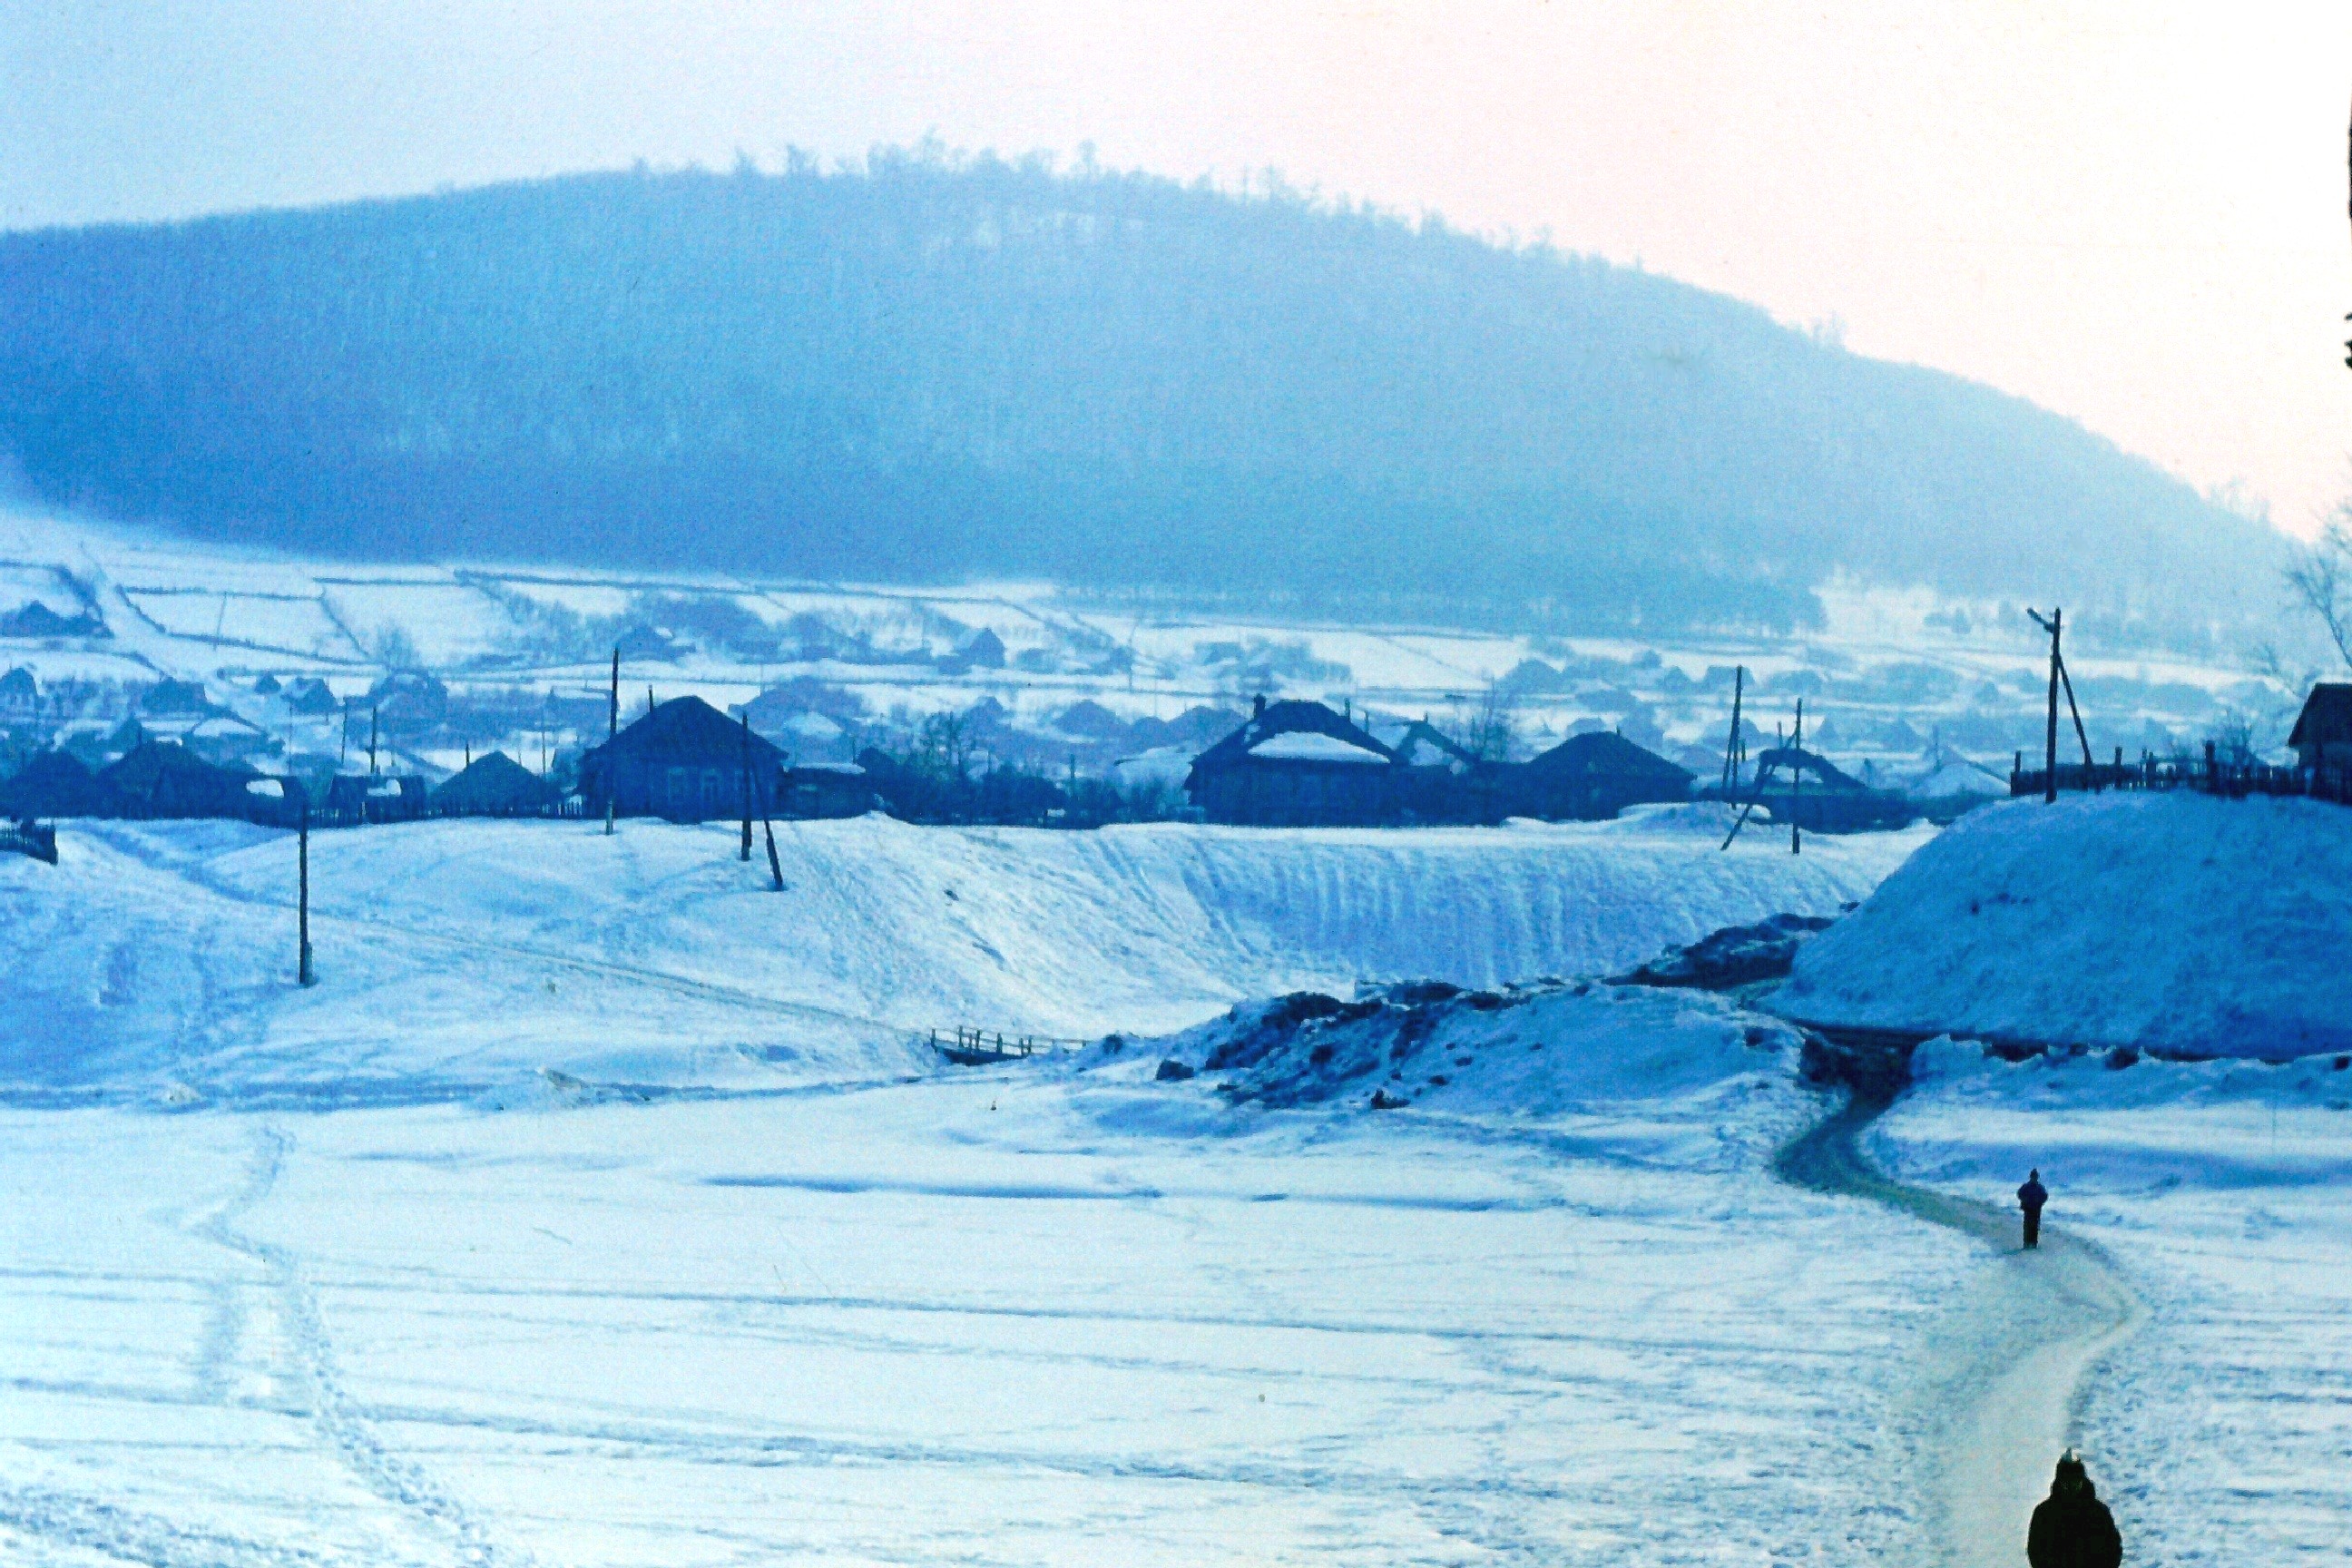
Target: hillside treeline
point(932, 369)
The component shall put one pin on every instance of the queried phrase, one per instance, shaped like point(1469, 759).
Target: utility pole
point(612, 718)
point(1797, 783)
point(612, 733)
point(371, 742)
point(746, 855)
point(2053, 624)
point(302, 971)
point(2050, 740)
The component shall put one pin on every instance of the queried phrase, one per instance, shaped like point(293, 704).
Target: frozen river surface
point(1001, 1318)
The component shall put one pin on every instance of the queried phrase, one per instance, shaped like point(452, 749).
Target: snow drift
point(2168, 923)
point(463, 953)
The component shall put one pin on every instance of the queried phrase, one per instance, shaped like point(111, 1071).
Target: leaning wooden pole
point(1763, 771)
point(775, 866)
point(1731, 746)
point(2068, 681)
point(304, 974)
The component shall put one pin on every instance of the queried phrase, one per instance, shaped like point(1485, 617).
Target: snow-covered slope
point(467, 953)
point(2175, 923)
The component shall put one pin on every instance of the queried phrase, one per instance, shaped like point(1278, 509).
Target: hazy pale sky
point(2132, 213)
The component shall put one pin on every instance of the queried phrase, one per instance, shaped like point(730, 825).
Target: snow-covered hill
point(460, 955)
point(2172, 923)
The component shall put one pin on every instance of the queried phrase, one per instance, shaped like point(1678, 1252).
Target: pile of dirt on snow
point(1734, 956)
point(1524, 1048)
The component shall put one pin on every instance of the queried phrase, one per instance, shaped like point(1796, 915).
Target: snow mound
point(1540, 1050)
point(2174, 922)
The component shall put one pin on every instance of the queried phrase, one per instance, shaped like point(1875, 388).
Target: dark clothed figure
point(2072, 1527)
point(2031, 1197)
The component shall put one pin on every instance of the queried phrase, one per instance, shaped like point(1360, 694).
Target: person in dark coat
point(2072, 1527)
point(2031, 1197)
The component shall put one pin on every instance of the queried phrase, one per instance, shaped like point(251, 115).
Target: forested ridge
point(933, 369)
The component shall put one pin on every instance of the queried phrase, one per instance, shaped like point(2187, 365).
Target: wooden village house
point(493, 784)
point(683, 759)
point(1295, 765)
point(2322, 737)
point(1594, 776)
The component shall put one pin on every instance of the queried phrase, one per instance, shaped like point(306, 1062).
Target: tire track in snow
point(341, 1422)
point(2005, 1369)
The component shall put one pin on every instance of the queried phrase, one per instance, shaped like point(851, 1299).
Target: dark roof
point(167, 778)
point(54, 784)
point(169, 696)
point(493, 782)
point(1604, 754)
point(36, 619)
point(1789, 759)
point(2326, 716)
point(685, 729)
point(1293, 717)
point(311, 696)
point(151, 762)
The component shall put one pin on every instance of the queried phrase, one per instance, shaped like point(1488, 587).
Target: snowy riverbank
point(2174, 922)
point(458, 956)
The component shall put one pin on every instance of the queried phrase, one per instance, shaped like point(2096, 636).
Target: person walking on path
point(2072, 1527)
point(2031, 1197)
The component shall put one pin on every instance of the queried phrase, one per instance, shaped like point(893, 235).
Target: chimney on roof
point(1257, 706)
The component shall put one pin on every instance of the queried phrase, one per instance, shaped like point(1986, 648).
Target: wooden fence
point(30, 838)
point(2208, 775)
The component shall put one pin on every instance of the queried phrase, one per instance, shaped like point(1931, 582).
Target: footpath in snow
point(2172, 923)
point(2221, 1430)
point(458, 955)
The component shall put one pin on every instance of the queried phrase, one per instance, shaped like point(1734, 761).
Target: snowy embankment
point(2221, 1431)
point(2168, 923)
point(464, 953)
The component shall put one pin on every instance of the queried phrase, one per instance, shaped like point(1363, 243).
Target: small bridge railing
point(986, 1046)
point(30, 838)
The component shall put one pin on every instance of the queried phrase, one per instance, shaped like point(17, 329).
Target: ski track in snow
point(2005, 1368)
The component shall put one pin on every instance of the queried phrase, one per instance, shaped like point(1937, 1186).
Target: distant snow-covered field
point(1887, 673)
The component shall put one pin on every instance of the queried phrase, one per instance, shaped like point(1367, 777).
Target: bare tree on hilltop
point(2320, 578)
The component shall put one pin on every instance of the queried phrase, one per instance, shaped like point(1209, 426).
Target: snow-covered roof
point(1311, 746)
point(1956, 776)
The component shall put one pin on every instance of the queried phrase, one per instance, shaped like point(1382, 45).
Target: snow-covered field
point(599, 1206)
point(460, 956)
point(349, 1274)
point(522, 647)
